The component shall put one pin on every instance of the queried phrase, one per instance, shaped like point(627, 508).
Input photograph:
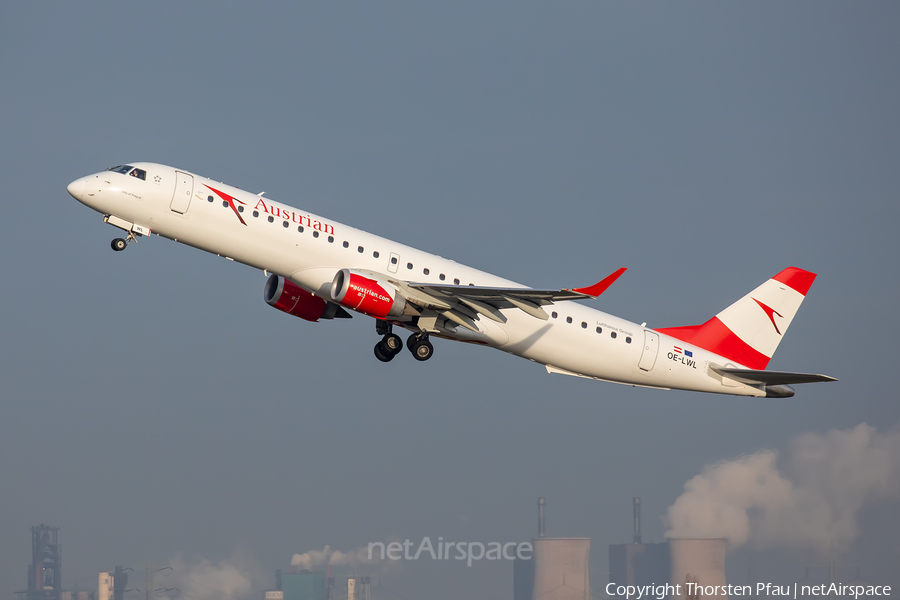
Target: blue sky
point(154, 405)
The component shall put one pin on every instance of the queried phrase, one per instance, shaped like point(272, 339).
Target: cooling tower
point(697, 561)
point(561, 569)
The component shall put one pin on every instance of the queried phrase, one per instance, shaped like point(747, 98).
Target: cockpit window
point(128, 169)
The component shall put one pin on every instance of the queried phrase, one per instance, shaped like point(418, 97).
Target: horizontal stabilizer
point(754, 377)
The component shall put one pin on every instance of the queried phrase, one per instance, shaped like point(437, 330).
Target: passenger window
point(330, 239)
point(240, 209)
point(583, 325)
point(425, 271)
point(628, 340)
point(286, 225)
point(300, 229)
point(409, 265)
point(554, 314)
point(346, 244)
point(209, 198)
point(315, 234)
point(612, 334)
point(456, 282)
point(361, 250)
point(568, 319)
point(599, 330)
point(443, 277)
point(393, 260)
point(224, 203)
point(255, 213)
point(271, 219)
point(375, 254)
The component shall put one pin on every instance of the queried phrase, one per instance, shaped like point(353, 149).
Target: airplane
point(319, 269)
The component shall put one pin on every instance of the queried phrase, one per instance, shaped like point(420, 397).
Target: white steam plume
point(315, 559)
point(812, 501)
point(201, 579)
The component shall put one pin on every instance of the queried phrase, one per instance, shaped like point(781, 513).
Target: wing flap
point(530, 308)
point(485, 309)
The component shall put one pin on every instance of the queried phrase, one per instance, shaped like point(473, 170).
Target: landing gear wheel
point(392, 343)
point(382, 355)
point(420, 347)
point(118, 244)
point(423, 350)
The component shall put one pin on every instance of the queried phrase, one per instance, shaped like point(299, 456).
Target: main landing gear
point(391, 344)
point(419, 346)
point(120, 244)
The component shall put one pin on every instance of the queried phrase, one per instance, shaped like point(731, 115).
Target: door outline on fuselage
point(184, 189)
point(651, 349)
point(393, 262)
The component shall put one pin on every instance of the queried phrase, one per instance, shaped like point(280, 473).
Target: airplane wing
point(488, 301)
point(754, 377)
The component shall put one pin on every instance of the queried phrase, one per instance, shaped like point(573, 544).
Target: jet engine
point(287, 296)
point(366, 294)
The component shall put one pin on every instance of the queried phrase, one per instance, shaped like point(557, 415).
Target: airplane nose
point(76, 188)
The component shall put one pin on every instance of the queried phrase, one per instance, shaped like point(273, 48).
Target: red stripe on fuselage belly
point(716, 337)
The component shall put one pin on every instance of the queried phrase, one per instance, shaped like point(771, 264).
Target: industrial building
point(678, 561)
point(699, 561)
point(358, 588)
point(318, 585)
point(304, 585)
point(45, 570)
point(638, 563)
point(558, 570)
point(111, 584)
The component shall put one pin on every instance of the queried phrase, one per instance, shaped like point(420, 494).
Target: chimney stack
point(541, 517)
point(637, 520)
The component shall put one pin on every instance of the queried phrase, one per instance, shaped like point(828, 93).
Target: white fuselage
point(576, 340)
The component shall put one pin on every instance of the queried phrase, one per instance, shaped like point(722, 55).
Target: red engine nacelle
point(367, 295)
point(287, 296)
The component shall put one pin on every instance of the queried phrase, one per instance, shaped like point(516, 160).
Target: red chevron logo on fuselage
point(771, 312)
point(231, 202)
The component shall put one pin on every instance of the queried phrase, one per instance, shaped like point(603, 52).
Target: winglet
point(601, 286)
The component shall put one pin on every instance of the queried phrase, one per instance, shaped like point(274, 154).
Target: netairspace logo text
point(467, 551)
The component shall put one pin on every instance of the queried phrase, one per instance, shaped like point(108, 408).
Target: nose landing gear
point(120, 244)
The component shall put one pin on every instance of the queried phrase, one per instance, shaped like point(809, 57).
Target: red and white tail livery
point(324, 270)
point(749, 331)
